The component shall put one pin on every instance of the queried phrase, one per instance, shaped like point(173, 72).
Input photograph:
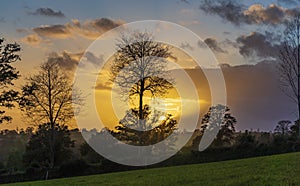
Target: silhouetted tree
point(156, 129)
point(143, 62)
point(48, 97)
point(289, 66)
point(227, 126)
point(40, 144)
point(8, 73)
point(282, 127)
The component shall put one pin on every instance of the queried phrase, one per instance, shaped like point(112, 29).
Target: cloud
point(66, 60)
point(186, 46)
point(227, 10)
point(54, 31)
point(253, 94)
point(33, 39)
point(237, 13)
point(90, 29)
point(273, 14)
point(47, 12)
point(257, 44)
point(214, 45)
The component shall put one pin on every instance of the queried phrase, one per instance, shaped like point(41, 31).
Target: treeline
point(20, 156)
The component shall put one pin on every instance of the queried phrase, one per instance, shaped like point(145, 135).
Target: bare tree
point(47, 98)
point(8, 55)
point(138, 68)
point(289, 66)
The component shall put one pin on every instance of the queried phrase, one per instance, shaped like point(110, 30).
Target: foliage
point(282, 128)
point(38, 147)
point(156, 130)
point(8, 73)
point(225, 135)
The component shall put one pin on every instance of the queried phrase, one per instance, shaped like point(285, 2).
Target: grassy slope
point(270, 170)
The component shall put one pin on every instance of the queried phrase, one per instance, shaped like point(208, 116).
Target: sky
point(242, 35)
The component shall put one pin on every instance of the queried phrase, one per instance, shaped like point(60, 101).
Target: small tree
point(39, 146)
point(8, 73)
point(48, 97)
point(156, 131)
point(282, 127)
point(226, 132)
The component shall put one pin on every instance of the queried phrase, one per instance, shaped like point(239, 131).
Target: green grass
point(269, 170)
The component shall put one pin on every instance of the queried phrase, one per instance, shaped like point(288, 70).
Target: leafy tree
point(295, 128)
point(282, 127)
point(138, 66)
point(89, 154)
point(289, 66)
point(227, 126)
point(38, 147)
point(156, 130)
point(48, 97)
point(8, 73)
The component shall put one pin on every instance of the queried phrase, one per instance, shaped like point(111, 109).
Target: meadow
point(281, 169)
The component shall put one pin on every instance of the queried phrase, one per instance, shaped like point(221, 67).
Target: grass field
point(269, 170)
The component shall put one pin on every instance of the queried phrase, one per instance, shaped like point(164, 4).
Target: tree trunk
point(298, 61)
point(52, 124)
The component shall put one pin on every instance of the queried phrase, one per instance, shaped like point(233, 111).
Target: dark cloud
point(214, 45)
point(257, 44)
point(90, 57)
point(55, 31)
point(47, 12)
point(186, 46)
point(227, 10)
point(66, 60)
point(201, 44)
point(229, 43)
point(237, 13)
point(90, 29)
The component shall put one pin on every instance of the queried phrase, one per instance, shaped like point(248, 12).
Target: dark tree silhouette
point(156, 130)
point(143, 62)
point(8, 73)
point(289, 66)
point(39, 146)
point(48, 98)
point(227, 126)
point(282, 127)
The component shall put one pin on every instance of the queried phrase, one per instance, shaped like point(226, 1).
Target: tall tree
point(8, 73)
point(48, 97)
point(143, 63)
point(289, 66)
